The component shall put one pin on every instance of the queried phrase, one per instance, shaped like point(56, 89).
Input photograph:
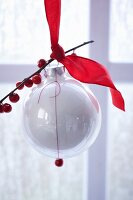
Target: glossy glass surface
point(61, 116)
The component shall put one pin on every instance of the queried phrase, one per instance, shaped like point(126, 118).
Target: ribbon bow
point(80, 68)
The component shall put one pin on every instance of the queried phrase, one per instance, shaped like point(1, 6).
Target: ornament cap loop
point(55, 70)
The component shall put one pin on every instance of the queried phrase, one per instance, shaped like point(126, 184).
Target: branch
point(38, 71)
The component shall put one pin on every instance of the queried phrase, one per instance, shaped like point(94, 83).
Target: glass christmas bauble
point(61, 116)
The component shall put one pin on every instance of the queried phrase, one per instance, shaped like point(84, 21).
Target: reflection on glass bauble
point(61, 116)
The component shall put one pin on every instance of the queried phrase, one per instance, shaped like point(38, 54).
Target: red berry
point(28, 83)
point(1, 108)
point(20, 87)
point(59, 162)
point(41, 63)
point(7, 107)
point(14, 97)
point(37, 79)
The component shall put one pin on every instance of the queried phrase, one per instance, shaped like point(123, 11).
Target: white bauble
point(61, 116)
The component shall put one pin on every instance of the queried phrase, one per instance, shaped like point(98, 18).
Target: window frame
point(96, 170)
point(120, 72)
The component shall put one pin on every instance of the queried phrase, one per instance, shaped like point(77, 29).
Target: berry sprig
point(28, 82)
point(34, 78)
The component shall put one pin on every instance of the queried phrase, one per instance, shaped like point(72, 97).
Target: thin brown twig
point(39, 70)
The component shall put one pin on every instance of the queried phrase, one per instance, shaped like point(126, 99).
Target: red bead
point(41, 63)
point(1, 108)
point(20, 87)
point(14, 97)
point(7, 107)
point(37, 79)
point(59, 162)
point(28, 83)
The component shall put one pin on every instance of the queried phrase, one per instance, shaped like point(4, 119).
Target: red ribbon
point(82, 69)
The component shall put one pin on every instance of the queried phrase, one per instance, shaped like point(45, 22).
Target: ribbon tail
point(53, 12)
point(117, 99)
point(89, 71)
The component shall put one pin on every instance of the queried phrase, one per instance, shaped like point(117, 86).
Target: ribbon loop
point(58, 53)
